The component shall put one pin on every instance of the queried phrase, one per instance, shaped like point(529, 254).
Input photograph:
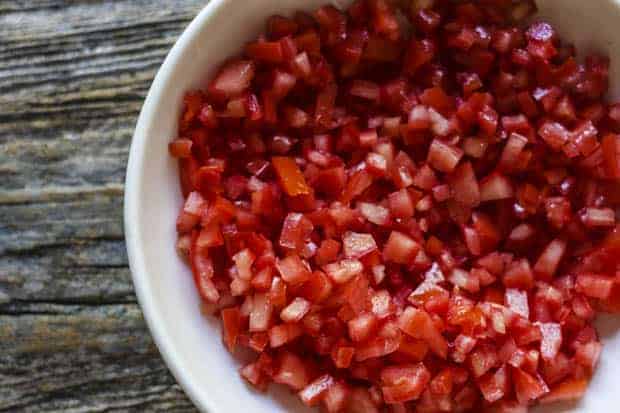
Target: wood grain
point(73, 76)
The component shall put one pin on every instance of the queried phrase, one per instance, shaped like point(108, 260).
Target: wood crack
point(52, 193)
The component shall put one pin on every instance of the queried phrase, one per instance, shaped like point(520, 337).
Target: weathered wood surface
point(73, 75)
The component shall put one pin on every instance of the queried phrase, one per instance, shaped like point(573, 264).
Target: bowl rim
point(133, 179)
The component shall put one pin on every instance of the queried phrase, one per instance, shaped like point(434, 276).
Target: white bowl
point(190, 343)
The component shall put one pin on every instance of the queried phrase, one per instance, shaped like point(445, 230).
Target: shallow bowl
point(189, 342)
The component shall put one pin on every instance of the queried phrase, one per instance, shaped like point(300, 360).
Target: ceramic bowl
point(189, 342)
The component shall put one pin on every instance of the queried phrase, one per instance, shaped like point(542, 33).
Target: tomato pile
point(406, 208)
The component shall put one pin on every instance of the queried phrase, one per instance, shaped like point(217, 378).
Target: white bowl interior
point(191, 343)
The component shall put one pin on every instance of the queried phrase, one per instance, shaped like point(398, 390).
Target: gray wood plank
point(82, 358)
point(73, 75)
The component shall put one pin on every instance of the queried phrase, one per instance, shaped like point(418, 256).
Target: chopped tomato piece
point(418, 324)
point(356, 245)
point(233, 79)
point(400, 248)
point(291, 178)
point(313, 392)
point(343, 271)
point(293, 270)
point(291, 372)
point(527, 387)
point(567, 391)
point(231, 321)
point(405, 383)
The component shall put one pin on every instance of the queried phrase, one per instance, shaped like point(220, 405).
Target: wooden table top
point(73, 76)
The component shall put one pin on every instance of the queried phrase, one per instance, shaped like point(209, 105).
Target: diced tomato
point(313, 392)
point(610, 145)
point(325, 103)
point(277, 292)
point(356, 245)
point(558, 211)
point(318, 288)
point(442, 383)
point(342, 356)
point(418, 324)
point(519, 275)
point(431, 296)
point(343, 271)
point(356, 185)
point(598, 217)
point(495, 386)
point(483, 359)
point(331, 181)
point(186, 222)
point(404, 383)
point(401, 204)
point(551, 340)
point(569, 390)
point(253, 375)
point(418, 54)
point(464, 186)
point(335, 398)
point(400, 248)
point(284, 333)
point(295, 311)
point(443, 156)
point(258, 341)
point(327, 252)
point(365, 89)
point(374, 213)
point(588, 354)
point(557, 369)
point(377, 347)
point(495, 187)
point(243, 263)
point(270, 52)
point(594, 285)
point(512, 150)
point(202, 268)
point(260, 315)
point(291, 371)
point(517, 301)
point(360, 401)
point(295, 232)
point(233, 79)
point(283, 83)
point(548, 261)
point(180, 148)
point(231, 322)
point(293, 270)
point(362, 327)
point(463, 345)
point(465, 280)
point(527, 387)
point(291, 178)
